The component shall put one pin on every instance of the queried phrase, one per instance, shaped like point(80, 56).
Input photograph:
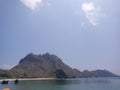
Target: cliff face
point(48, 66)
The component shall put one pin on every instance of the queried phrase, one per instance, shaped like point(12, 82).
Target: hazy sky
point(85, 34)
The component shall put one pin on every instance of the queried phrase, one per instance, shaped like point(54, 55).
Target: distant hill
point(48, 66)
point(98, 73)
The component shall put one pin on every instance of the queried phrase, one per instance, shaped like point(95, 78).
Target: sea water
point(65, 84)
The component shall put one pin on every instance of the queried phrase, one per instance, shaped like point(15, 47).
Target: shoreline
point(28, 79)
point(23, 79)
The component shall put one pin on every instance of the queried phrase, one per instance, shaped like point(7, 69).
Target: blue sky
point(85, 34)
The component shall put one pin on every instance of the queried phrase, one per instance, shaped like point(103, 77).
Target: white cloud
point(88, 7)
point(31, 4)
point(92, 13)
point(6, 67)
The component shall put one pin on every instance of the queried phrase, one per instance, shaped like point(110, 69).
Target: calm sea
point(69, 84)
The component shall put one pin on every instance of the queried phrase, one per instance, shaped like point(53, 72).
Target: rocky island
point(48, 66)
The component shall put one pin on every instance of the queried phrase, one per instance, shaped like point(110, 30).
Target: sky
point(85, 34)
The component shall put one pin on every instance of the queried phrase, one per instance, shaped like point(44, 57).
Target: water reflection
point(66, 84)
point(82, 81)
point(94, 80)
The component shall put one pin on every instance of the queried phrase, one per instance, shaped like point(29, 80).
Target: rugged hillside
point(1, 71)
point(48, 66)
point(4, 74)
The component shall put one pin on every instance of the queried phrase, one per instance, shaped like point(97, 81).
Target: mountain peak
point(47, 53)
point(29, 58)
point(30, 54)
